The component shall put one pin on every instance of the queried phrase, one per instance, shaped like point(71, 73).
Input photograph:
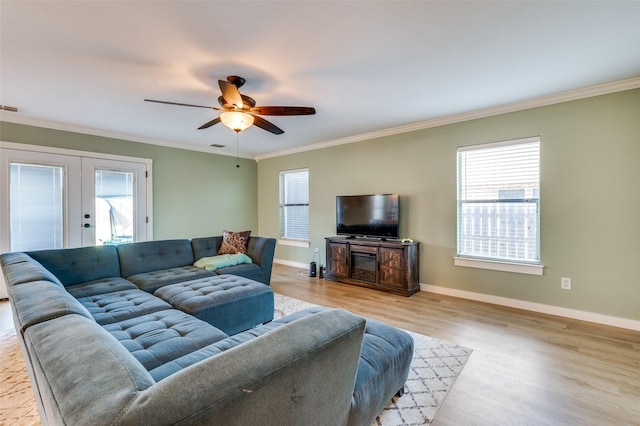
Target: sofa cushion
point(147, 256)
point(21, 268)
point(246, 270)
point(105, 285)
point(178, 364)
point(151, 281)
point(80, 265)
point(160, 337)
point(206, 246)
point(118, 306)
point(40, 301)
point(228, 302)
point(84, 376)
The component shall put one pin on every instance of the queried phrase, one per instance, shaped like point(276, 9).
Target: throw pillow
point(222, 261)
point(234, 242)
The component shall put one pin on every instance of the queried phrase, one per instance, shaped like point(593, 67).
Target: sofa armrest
point(261, 250)
point(20, 268)
point(302, 373)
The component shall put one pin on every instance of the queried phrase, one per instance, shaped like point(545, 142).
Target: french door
point(113, 202)
point(39, 192)
point(57, 200)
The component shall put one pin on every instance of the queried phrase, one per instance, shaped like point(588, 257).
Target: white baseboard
point(514, 303)
point(291, 263)
point(535, 307)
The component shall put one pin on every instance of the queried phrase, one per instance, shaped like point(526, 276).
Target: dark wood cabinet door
point(391, 267)
point(337, 259)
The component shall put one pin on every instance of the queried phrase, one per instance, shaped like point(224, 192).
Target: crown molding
point(10, 117)
point(588, 92)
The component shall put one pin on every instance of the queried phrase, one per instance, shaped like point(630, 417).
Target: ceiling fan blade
point(267, 125)
point(283, 110)
point(178, 103)
point(209, 124)
point(230, 93)
point(246, 101)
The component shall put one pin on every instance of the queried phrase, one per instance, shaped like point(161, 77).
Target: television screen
point(368, 215)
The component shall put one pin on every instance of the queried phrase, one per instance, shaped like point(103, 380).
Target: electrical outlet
point(565, 283)
point(316, 250)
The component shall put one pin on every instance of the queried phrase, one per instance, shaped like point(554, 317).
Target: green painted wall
point(590, 201)
point(194, 193)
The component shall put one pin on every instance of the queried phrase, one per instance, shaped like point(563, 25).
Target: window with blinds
point(294, 204)
point(499, 201)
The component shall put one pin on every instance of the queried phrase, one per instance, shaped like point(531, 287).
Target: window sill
point(294, 243)
point(519, 268)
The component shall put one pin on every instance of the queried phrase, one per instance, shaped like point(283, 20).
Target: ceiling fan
point(240, 111)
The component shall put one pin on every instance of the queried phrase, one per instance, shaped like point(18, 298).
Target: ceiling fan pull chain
point(237, 149)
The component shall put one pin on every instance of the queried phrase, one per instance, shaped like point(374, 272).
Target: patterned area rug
point(17, 405)
point(434, 369)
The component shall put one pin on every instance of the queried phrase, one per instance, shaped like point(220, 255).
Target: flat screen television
point(375, 215)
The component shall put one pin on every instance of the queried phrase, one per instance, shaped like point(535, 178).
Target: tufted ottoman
point(228, 302)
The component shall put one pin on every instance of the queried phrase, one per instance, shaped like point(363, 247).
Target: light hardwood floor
point(526, 368)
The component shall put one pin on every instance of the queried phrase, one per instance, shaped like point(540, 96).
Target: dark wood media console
point(391, 266)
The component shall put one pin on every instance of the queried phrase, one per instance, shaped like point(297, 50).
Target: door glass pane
point(36, 212)
point(114, 207)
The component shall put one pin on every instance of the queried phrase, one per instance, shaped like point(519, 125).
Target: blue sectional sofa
point(135, 334)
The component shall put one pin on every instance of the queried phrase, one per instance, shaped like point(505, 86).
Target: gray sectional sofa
point(135, 334)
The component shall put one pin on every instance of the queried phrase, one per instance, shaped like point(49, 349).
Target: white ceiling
point(366, 66)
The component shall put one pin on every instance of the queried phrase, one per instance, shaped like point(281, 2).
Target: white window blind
point(36, 206)
point(499, 201)
point(294, 204)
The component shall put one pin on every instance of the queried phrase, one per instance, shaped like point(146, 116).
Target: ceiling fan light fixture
point(239, 112)
point(236, 121)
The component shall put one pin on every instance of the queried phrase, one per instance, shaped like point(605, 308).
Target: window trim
point(495, 265)
point(294, 242)
point(504, 265)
